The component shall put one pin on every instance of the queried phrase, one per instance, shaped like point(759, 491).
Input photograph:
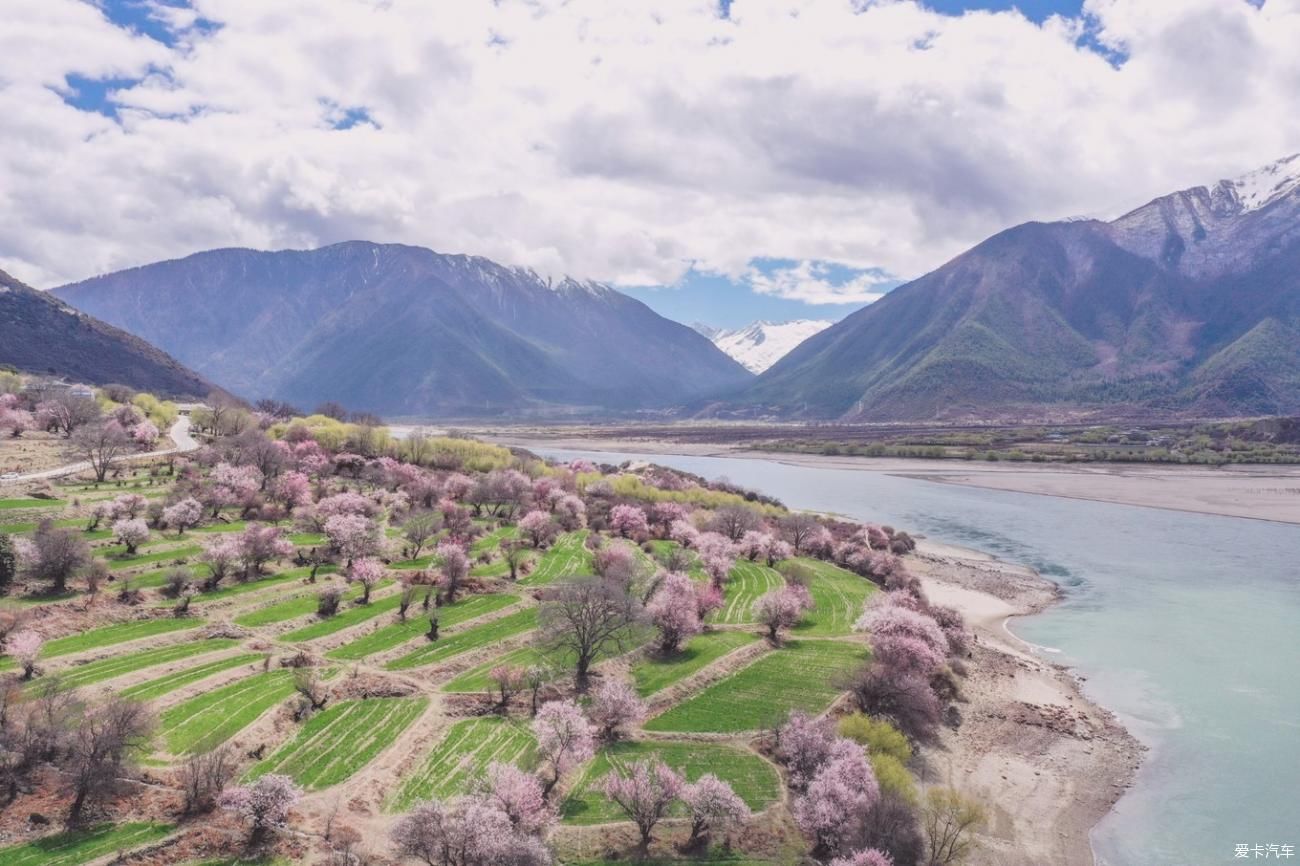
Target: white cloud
point(812, 283)
point(621, 141)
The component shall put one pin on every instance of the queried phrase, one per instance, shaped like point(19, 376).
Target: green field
point(114, 634)
point(346, 618)
point(476, 679)
point(82, 846)
point(146, 558)
point(211, 718)
point(839, 597)
point(462, 756)
point(654, 673)
point(754, 779)
point(663, 547)
point(235, 588)
point(417, 623)
point(802, 676)
point(339, 741)
point(748, 582)
point(156, 688)
point(468, 639)
point(567, 557)
point(297, 606)
point(493, 540)
point(116, 666)
point(14, 504)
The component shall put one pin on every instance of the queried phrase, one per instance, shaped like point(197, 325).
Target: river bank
point(1257, 492)
point(1046, 762)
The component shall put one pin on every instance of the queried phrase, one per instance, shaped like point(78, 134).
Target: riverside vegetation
point(440, 650)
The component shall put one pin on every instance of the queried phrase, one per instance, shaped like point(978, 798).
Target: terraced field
point(339, 741)
point(417, 624)
point(346, 619)
point(462, 756)
point(293, 608)
point(493, 539)
point(146, 558)
point(76, 847)
point(116, 666)
point(839, 597)
point(748, 582)
point(156, 688)
point(567, 557)
point(115, 634)
point(214, 717)
point(750, 776)
point(234, 589)
point(476, 679)
point(803, 675)
point(470, 639)
point(653, 673)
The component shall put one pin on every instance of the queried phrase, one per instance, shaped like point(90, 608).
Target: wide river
point(1186, 626)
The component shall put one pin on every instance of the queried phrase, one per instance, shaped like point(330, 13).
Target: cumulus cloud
point(624, 142)
point(814, 283)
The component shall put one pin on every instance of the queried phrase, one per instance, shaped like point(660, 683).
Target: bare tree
point(797, 529)
point(60, 553)
point(587, 618)
point(949, 821)
point(734, 521)
point(313, 691)
point(203, 776)
point(102, 751)
point(419, 528)
point(66, 412)
point(100, 444)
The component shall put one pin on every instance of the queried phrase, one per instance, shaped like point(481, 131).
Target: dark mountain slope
point(41, 334)
point(406, 331)
point(1188, 305)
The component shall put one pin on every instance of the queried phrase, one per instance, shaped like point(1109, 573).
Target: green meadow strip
point(156, 688)
point(417, 623)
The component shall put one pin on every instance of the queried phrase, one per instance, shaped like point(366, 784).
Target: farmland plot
point(470, 639)
point(839, 597)
point(233, 588)
point(160, 556)
point(748, 582)
point(82, 846)
point(115, 634)
point(654, 672)
point(116, 666)
point(477, 680)
point(214, 717)
point(339, 741)
point(493, 539)
point(156, 688)
point(568, 557)
point(804, 675)
point(417, 623)
point(293, 608)
point(752, 778)
point(345, 619)
point(462, 756)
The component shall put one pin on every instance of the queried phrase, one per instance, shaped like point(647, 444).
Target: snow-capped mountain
point(759, 345)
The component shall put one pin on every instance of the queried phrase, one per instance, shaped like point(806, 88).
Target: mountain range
point(1189, 305)
point(761, 344)
point(405, 331)
point(41, 334)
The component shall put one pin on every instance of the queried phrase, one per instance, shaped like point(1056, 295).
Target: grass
point(493, 540)
point(470, 639)
point(115, 634)
point(82, 846)
point(210, 719)
point(116, 666)
point(339, 741)
point(752, 778)
point(295, 607)
point(9, 504)
point(663, 547)
point(568, 557)
point(146, 558)
point(462, 756)
point(839, 597)
point(802, 676)
point(352, 616)
point(748, 582)
point(235, 589)
point(417, 623)
point(476, 679)
point(654, 672)
point(156, 688)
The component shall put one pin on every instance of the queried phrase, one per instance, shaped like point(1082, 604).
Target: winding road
point(180, 436)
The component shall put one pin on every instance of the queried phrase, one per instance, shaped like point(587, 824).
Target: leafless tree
point(587, 618)
point(203, 776)
point(102, 751)
point(100, 444)
point(797, 528)
point(60, 553)
point(734, 521)
point(66, 412)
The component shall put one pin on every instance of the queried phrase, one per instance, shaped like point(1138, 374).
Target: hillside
point(40, 334)
point(761, 344)
point(1189, 305)
point(406, 331)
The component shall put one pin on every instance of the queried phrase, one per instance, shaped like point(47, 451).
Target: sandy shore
point(1254, 492)
point(1047, 763)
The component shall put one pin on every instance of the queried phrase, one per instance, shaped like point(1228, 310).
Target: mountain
point(1189, 305)
point(759, 345)
point(41, 334)
point(405, 331)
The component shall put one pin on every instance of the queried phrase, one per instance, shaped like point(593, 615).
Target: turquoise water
point(1187, 626)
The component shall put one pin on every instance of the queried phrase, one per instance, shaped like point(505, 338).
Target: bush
point(878, 735)
point(327, 603)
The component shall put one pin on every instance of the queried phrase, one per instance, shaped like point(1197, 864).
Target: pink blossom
point(260, 544)
point(145, 433)
point(16, 421)
point(468, 831)
point(353, 535)
point(346, 503)
point(265, 804)
point(220, 554)
point(615, 704)
point(309, 458)
point(131, 533)
point(128, 505)
point(537, 525)
point(291, 489)
point(712, 805)
point(644, 792)
point(675, 611)
point(580, 465)
point(456, 486)
point(754, 545)
point(454, 567)
point(564, 738)
point(571, 512)
point(666, 514)
point(628, 520)
point(889, 619)
point(717, 555)
point(519, 795)
point(842, 792)
point(684, 533)
point(183, 514)
point(868, 857)
point(804, 744)
point(25, 648)
point(368, 573)
point(782, 609)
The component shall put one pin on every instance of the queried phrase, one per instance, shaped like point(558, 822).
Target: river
point(1184, 625)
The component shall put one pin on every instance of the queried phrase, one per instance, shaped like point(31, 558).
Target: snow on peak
point(761, 344)
point(1265, 185)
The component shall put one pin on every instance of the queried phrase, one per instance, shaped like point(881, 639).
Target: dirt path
point(182, 442)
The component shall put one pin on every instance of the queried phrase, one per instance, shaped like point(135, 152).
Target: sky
point(722, 161)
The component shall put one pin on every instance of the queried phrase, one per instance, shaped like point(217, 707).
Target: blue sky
point(723, 165)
